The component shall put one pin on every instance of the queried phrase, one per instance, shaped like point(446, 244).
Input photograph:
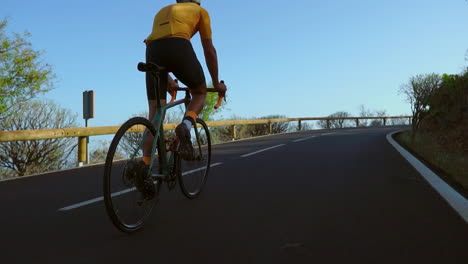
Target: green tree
point(20, 158)
point(23, 75)
point(447, 103)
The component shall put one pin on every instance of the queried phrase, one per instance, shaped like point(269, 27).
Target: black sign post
point(88, 113)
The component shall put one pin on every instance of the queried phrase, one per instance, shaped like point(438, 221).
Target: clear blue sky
point(297, 58)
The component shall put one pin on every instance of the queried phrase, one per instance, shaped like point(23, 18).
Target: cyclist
point(169, 46)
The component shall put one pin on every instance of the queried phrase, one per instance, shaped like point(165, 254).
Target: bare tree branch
point(28, 157)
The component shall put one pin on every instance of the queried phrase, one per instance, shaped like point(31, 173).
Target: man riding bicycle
point(169, 46)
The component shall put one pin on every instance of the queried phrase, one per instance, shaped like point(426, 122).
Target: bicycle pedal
point(172, 144)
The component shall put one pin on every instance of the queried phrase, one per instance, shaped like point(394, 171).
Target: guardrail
point(84, 132)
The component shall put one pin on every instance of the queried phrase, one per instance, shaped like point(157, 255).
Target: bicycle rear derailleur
point(136, 174)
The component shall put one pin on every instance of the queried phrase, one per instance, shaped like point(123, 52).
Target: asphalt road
point(310, 197)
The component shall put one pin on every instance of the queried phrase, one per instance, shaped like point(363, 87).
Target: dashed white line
point(192, 171)
point(71, 207)
point(256, 152)
point(95, 200)
point(302, 139)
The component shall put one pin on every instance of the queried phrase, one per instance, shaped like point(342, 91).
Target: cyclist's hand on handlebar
point(173, 85)
point(221, 89)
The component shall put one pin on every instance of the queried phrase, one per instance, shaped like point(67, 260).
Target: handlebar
point(221, 95)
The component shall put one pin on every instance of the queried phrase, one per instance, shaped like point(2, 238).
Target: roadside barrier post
point(299, 126)
point(357, 122)
point(82, 150)
point(233, 132)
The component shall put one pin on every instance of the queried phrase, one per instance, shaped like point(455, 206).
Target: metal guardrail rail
point(83, 132)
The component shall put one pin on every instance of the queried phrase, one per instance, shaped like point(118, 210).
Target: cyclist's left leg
point(147, 145)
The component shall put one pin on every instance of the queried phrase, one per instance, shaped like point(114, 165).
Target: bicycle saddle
point(150, 67)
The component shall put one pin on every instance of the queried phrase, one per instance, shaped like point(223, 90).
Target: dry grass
point(453, 163)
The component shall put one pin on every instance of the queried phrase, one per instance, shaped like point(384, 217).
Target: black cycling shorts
point(177, 56)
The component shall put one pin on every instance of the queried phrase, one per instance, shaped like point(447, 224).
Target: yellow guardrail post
point(82, 150)
point(233, 132)
point(270, 127)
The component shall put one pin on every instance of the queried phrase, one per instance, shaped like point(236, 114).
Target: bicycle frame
point(165, 163)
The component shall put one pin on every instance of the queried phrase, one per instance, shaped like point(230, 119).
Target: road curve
point(328, 196)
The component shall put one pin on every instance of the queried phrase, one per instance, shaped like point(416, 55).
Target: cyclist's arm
point(211, 59)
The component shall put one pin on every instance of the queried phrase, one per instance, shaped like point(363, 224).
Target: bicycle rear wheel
point(129, 192)
point(193, 174)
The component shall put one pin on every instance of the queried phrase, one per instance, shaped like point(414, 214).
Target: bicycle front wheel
point(192, 174)
point(129, 191)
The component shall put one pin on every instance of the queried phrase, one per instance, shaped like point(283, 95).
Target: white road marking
point(193, 171)
point(453, 198)
point(302, 139)
point(71, 207)
point(256, 152)
point(95, 200)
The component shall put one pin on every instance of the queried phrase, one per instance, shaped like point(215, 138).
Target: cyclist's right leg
point(183, 129)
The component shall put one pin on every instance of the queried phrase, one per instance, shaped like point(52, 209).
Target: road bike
point(131, 194)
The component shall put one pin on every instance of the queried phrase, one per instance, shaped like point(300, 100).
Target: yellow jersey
point(181, 20)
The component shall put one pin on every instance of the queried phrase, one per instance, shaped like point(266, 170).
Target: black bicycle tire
point(108, 172)
point(179, 172)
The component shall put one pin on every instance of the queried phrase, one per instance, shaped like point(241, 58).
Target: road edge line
point(453, 198)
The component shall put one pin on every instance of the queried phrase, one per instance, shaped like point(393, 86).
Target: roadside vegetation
point(439, 131)
point(23, 76)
